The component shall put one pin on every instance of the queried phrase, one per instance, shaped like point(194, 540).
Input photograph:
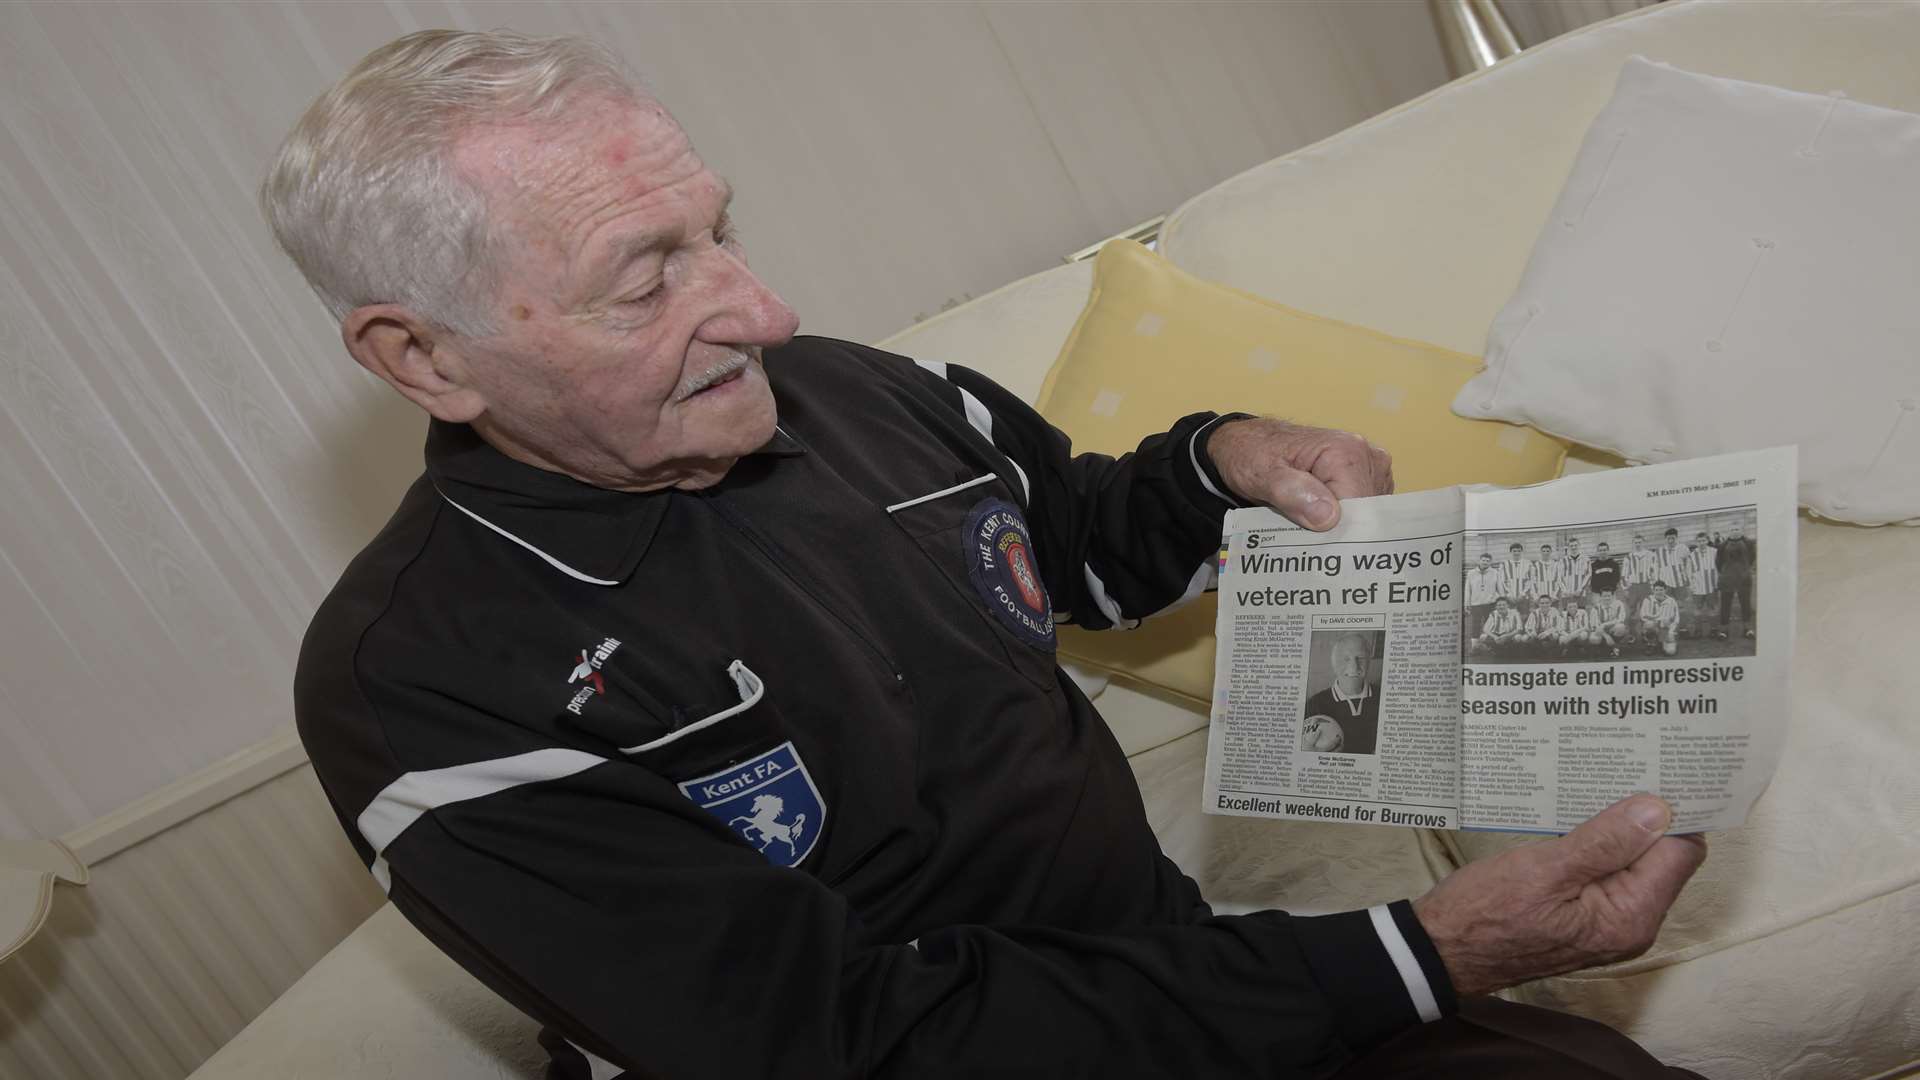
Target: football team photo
point(1657, 588)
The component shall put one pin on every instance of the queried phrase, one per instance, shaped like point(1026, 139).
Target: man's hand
point(1303, 472)
point(1591, 897)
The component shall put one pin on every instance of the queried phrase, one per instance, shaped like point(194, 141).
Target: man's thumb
point(1303, 499)
point(1613, 838)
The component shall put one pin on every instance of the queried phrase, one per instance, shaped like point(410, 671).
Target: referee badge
point(767, 800)
point(1000, 563)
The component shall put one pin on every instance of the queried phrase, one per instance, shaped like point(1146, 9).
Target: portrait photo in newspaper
point(1656, 588)
point(1342, 713)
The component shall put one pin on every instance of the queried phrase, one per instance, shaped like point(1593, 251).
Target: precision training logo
point(588, 669)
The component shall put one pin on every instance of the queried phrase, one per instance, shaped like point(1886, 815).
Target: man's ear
point(413, 357)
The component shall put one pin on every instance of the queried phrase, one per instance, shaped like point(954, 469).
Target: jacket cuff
point(1199, 478)
point(1379, 970)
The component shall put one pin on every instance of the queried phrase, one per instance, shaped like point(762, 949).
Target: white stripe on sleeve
point(409, 798)
point(977, 413)
point(1405, 963)
point(1203, 579)
point(1097, 589)
point(1026, 491)
point(598, 1068)
point(1193, 455)
point(982, 421)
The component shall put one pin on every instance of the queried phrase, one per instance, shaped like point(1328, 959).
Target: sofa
point(1793, 953)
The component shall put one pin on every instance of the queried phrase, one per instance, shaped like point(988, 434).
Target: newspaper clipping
point(1511, 659)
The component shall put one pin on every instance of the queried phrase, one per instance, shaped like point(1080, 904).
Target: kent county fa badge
point(767, 800)
point(1001, 565)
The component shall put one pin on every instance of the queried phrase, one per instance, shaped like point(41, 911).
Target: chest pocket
point(783, 791)
point(977, 536)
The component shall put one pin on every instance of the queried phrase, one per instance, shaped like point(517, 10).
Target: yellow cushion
point(1156, 343)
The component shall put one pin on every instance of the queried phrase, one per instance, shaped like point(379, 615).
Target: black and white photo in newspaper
point(1614, 641)
point(1336, 689)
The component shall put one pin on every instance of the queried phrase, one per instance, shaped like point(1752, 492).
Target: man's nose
point(745, 310)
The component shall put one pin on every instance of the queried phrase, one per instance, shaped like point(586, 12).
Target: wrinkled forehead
point(600, 156)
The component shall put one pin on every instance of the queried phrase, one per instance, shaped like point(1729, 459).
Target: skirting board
point(194, 793)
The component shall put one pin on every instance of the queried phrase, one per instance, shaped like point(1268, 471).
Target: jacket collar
point(588, 533)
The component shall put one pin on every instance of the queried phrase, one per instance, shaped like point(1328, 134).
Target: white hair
point(1363, 643)
point(363, 195)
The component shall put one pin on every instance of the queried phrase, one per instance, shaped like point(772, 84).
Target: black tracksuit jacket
point(548, 716)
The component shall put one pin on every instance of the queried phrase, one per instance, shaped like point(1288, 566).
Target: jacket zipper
point(776, 559)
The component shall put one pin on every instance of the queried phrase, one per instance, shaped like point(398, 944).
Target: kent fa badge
point(1001, 565)
point(768, 800)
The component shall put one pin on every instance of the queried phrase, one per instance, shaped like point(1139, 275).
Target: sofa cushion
point(1155, 343)
point(1418, 221)
point(1729, 266)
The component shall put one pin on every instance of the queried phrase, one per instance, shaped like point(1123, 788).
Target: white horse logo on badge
point(752, 797)
point(761, 825)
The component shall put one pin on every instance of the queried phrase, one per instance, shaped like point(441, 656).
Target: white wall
point(187, 456)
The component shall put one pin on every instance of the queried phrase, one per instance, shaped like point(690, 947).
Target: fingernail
point(1319, 511)
point(1649, 812)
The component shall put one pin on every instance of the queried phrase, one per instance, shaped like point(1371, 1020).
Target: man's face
point(1486, 560)
point(1546, 552)
point(1601, 551)
point(1638, 543)
point(1349, 663)
point(1573, 547)
point(630, 326)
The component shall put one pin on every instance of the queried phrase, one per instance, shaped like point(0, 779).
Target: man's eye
point(641, 299)
point(724, 232)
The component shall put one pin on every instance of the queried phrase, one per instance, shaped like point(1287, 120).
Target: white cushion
point(1418, 221)
point(1729, 266)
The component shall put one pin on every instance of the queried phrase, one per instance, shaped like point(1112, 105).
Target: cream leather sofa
point(1796, 952)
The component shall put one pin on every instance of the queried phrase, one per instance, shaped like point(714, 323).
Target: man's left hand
point(1303, 472)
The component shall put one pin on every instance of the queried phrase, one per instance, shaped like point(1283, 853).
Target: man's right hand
point(1594, 896)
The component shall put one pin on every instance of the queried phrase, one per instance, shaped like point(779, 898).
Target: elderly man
point(700, 698)
point(1351, 700)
